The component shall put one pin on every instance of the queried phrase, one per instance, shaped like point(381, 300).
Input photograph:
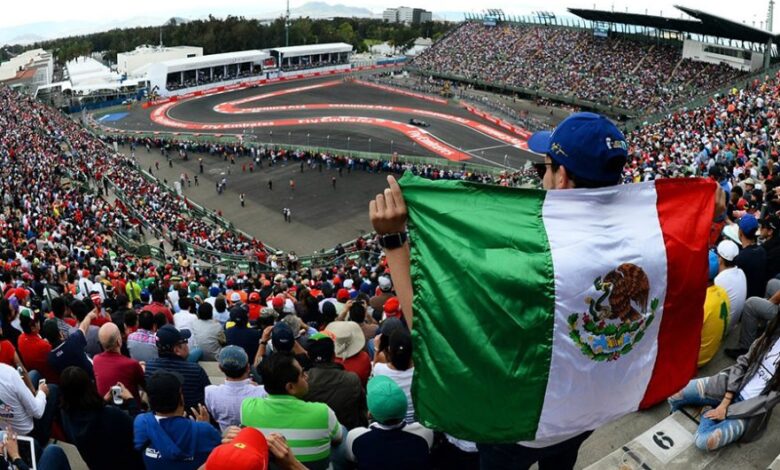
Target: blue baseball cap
point(713, 264)
point(233, 358)
point(588, 145)
point(168, 336)
point(282, 337)
point(748, 224)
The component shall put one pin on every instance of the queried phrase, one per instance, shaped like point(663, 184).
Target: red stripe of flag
point(685, 213)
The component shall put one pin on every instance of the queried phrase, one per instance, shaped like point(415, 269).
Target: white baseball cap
point(728, 250)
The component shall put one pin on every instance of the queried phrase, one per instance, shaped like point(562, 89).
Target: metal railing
point(434, 162)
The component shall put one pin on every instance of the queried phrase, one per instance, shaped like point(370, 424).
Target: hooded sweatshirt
point(174, 443)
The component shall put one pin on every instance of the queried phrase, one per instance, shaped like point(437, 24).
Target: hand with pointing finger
point(388, 210)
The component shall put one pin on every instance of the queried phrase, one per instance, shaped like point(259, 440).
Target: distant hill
point(41, 31)
point(327, 10)
point(26, 39)
point(45, 30)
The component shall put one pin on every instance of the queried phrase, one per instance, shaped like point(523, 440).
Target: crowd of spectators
point(256, 156)
point(320, 352)
point(623, 73)
point(306, 65)
point(200, 77)
point(107, 344)
point(734, 134)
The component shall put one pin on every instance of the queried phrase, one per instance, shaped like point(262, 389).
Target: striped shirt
point(194, 377)
point(143, 336)
point(308, 427)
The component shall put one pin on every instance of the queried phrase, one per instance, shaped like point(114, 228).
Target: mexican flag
point(542, 313)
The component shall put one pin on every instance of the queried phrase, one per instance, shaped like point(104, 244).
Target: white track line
point(492, 147)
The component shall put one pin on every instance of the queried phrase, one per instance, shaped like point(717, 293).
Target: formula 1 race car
point(418, 123)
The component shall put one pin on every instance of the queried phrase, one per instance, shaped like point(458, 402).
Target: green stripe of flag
point(484, 291)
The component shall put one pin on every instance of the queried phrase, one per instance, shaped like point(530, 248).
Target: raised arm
point(84, 325)
point(388, 215)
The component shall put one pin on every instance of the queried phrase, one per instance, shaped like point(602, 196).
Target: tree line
point(236, 33)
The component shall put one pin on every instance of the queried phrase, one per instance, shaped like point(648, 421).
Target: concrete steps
point(669, 444)
point(775, 465)
point(606, 443)
point(212, 370)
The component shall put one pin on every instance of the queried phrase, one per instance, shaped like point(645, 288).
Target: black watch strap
point(391, 241)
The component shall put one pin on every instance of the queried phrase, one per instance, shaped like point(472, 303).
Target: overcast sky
point(16, 13)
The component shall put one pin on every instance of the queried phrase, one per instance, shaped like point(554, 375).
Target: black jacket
point(341, 391)
point(772, 248)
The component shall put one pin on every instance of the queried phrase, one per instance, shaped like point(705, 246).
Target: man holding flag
point(568, 308)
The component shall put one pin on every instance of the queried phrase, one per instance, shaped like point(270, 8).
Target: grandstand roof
point(705, 24)
point(214, 60)
point(297, 51)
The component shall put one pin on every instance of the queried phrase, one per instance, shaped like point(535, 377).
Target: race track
point(330, 112)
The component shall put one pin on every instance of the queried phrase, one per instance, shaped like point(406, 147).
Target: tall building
point(390, 15)
point(407, 15)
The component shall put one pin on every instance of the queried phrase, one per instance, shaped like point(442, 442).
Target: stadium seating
point(56, 227)
point(620, 72)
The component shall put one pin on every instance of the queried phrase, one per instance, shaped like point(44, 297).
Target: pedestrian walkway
point(322, 215)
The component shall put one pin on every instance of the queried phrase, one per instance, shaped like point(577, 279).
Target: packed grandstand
point(631, 74)
point(117, 334)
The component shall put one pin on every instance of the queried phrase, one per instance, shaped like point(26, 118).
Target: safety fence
point(433, 162)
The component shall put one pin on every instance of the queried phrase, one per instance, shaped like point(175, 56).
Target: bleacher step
point(774, 465)
point(211, 368)
point(667, 445)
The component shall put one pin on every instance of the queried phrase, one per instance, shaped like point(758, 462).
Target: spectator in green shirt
point(310, 428)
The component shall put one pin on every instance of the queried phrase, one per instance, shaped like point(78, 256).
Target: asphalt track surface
point(322, 216)
point(380, 105)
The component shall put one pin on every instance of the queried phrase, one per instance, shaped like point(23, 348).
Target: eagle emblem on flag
point(617, 315)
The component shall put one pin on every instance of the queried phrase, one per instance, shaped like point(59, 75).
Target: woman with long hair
point(399, 365)
point(102, 433)
point(740, 398)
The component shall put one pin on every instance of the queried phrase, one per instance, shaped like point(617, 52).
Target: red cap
point(21, 293)
point(254, 297)
point(392, 307)
point(248, 451)
point(278, 302)
point(342, 295)
point(336, 280)
point(230, 283)
point(85, 273)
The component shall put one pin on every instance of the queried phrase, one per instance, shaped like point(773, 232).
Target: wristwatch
point(264, 343)
point(392, 241)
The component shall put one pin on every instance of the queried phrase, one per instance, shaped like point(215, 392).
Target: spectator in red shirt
point(350, 348)
point(158, 305)
point(34, 349)
point(111, 367)
point(7, 350)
